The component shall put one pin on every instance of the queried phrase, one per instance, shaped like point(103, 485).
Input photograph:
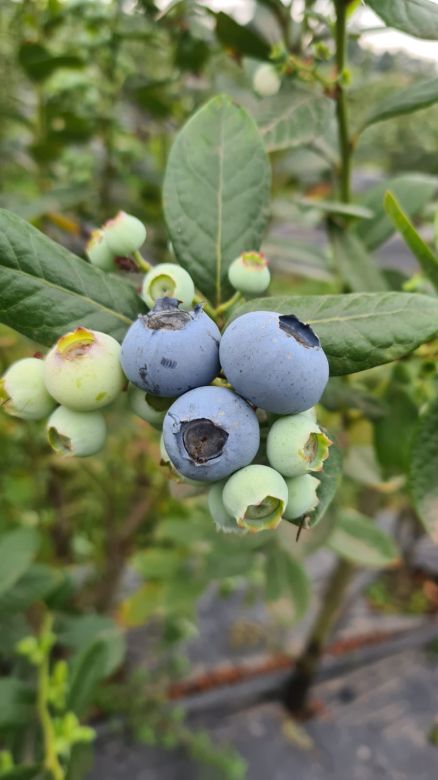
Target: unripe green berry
point(266, 81)
point(249, 273)
point(98, 251)
point(168, 280)
point(256, 497)
point(222, 519)
point(124, 234)
point(76, 433)
point(147, 406)
point(82, 371)
point(297, 445)
point(302, 496)
point(23, 391)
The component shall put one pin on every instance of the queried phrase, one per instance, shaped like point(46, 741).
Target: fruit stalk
point(345, 146)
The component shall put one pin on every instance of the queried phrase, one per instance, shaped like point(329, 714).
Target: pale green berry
point(168, 280)
point(98, 251)
point(256, 497)
point(148, 407)
point(23, 391)
point(249, 273)
point(124, 234)
point(82, 371)
point(76, 433)
point(302, 496)
point(296, 445)
point(311, 413)
point(222, 519)
point(266, 81)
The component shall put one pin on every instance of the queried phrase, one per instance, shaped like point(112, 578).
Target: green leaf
point(415, 17)
point(17, 551)
point(414, 191)
point(355, 265)
point(427, 259)
point(23, 773)
point(335, 207)
point(45, 290)
point(394, 431)
point(158, 563)
point(16, 702)
point(38, 63)
point(330, 479)
point(424, 470)
point(242, 39)
point(360, 330)
point(420, 94)
point(286, 577)
point(293, 119)
point(83, 631)
point(36, 583)
point(340, 396)
point(359, 540)
point(87, 671)
point(216, 193)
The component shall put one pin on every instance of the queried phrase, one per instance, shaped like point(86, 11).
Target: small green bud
point(266, 81)
point(168, 280)
point(249, 273)
point(78, 434)
point(256, 497)
point(302, 496)
point(297, 445)
point(98, 251)
point(147, 406)
point(23, 391)
point(124, 234)
point(222, 519)
point(82, 371)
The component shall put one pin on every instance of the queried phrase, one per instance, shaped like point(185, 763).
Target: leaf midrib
point(219, 210)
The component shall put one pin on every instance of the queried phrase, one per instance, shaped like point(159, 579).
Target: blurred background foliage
point(93, 93)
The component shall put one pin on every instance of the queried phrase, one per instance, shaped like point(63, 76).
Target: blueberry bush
point(240, 397)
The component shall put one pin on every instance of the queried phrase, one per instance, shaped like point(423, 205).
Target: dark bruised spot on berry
point(203, 440)
point(298, 330)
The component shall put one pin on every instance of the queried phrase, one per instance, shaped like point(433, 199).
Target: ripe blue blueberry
point(210, 432)
point(274, 361)
point(169, 351)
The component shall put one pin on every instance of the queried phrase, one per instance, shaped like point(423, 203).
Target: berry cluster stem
point(140, 261)
point(51, 761)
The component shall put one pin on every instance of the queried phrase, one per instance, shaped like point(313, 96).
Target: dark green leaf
point(17, 551)
point(38, 63)
point(88, 670)
point(415, 17)
point(330, 479)
point(216, 193)
point(23, 773)
point(356, 538)
point(45, 290)
point(393, 432)
point(16, 702)
point(293, 119)
point(241, 39)
point(420, 94)
point(355, 265)
point(286, 577)
point(340, 396)
point(83, 631)
point(424, 470)
point(36, 583)
point(427, 259)
point(360, 330)
point(414, 191)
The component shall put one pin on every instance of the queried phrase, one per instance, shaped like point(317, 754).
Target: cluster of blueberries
point(210, 393)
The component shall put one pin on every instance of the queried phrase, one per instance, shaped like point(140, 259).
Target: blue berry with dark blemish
point(209, 433)
point(169, 351)
point(274, 361)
